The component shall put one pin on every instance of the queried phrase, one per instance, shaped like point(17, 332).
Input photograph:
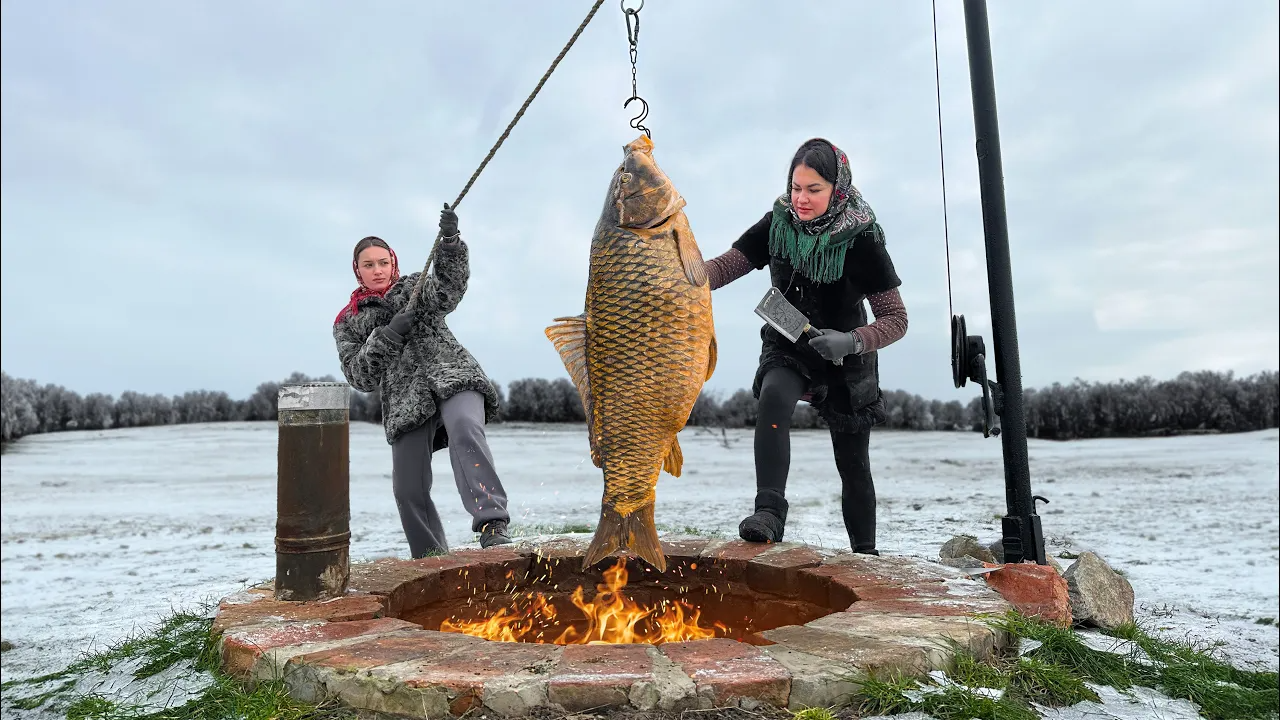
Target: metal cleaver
point(786, 319)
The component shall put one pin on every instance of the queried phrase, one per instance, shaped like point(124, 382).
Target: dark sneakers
point(493, 533)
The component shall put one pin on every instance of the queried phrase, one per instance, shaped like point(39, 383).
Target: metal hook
point(637, 122)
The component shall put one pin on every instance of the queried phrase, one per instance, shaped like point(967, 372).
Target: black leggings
point(779, 392)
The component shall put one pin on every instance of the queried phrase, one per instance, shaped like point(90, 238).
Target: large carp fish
point(641, 352)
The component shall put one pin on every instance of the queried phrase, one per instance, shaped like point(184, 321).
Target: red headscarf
point(364, 291)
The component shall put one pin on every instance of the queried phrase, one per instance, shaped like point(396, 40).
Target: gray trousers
point(473, 471)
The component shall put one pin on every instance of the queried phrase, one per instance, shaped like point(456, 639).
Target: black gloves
point(401, 322)
point(833, 344)
point(448, 223)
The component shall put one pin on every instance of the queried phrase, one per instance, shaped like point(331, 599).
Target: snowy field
point(103, 532)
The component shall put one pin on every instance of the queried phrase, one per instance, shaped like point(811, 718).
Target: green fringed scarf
point(817, 247)
point(818, 257)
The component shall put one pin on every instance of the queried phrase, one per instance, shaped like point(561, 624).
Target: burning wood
point(610, 617)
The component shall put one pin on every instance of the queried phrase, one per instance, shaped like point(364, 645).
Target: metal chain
point(632, 16)
point(417, 289)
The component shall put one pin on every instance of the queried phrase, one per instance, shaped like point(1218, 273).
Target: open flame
point(610, 617)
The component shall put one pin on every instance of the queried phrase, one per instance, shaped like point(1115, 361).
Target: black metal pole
point(1023, 537)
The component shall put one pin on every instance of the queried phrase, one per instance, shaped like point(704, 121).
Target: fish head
point(642, 194)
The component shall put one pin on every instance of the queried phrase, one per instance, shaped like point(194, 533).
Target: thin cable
point(942, 160)
point(417, 289)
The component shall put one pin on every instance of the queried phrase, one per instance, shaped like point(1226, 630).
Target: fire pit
point(555, 603)
point(516, 627)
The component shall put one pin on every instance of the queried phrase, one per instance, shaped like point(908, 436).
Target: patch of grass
point(690, 530)
point(575, 528)
point(1265, 621)
point(1056, 672)
point(183, 638)
point(1067, 555)
point(813, 713)
point(5, 646)
point(225, 699)
point(879, 696)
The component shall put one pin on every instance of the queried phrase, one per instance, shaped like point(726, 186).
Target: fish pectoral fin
point(569, 337)
point(635, 532)
point(690, 256)
point(674, 461)
point(712, 358)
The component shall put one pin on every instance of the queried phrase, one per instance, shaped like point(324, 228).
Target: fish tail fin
point(675, 459)
point(635, 532)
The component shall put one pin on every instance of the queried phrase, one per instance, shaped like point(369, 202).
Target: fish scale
point(642, 350)
point(632, 295)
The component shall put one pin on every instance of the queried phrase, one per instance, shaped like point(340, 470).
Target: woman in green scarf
point(826, 254)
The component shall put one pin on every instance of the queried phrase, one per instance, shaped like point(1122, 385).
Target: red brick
point(470, 572)
point(729, 558)
point(868, 654)
point(731, 669)
point(242, 646)
point(350, 607)
point(464, 673)
point(1035, 590)
point(554, 561)
point(403, 584)
point(776, 571)
point(596, 676)
point(423, 645)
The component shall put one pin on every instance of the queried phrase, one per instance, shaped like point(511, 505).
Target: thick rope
point(417, 288)
point(942, 160)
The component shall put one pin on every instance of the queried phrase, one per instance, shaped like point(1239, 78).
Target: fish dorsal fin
point(690, 256)
point(674, 461)
point(569, 337)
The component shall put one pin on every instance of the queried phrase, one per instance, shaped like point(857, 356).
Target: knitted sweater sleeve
point(890, 323)
point(727, 267)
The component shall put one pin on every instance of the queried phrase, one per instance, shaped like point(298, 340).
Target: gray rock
point(965, 546)
point(996, 547)
point(1100, 597)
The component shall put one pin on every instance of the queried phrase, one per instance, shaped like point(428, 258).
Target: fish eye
point(626, 177)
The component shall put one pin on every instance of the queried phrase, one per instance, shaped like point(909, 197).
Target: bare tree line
point(1193, 402)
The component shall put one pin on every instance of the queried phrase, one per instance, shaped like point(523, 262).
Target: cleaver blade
point(785, 318)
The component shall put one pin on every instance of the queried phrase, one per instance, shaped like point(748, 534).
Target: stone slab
point(418, 645)
point(264, 610)
point(863, 653)
point(725, 671)
point(598, 676)
point(241, 646)
point(502, 676)
point(776, 570)
point(933, 635)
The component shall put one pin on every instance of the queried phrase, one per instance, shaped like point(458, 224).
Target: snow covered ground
point(102, 532)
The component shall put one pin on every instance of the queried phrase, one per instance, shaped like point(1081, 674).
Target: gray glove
point(834, 345)
point(401, 322)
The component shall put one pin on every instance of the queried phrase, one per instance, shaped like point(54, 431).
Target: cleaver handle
point(812, 332)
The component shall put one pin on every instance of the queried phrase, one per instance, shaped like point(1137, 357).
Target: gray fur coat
point(418, 372)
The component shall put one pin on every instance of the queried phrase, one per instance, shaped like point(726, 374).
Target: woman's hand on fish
point(833, 344)
point(448, 223)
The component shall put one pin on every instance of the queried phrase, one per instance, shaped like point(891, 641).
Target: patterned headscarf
point(364, 291)
point(817, 247)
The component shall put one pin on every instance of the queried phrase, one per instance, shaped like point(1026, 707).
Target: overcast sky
point(183, 182)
